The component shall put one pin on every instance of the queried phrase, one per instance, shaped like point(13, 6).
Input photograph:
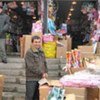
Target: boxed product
point(80, 93)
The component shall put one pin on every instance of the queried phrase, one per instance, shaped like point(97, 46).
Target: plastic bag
point(49, 49)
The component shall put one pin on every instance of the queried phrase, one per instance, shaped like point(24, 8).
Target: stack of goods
point(74, 61)
point(49, 46)
point(89, 77)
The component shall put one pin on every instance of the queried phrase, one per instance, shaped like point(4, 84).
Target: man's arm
point(6, 26)
point(45, 75)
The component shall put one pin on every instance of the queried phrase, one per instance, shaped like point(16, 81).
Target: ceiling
point(64, 8)
point(65, 5)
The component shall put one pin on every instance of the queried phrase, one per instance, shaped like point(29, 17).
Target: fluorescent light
point(71, 9)
point(68, 18)
point(34, 17)
point(70, 14)
point(74, 2)
point(22, 3)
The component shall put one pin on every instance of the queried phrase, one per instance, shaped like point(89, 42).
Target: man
point(36, 68)
point(4, 24)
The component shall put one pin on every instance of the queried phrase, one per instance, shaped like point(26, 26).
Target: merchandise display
point(71, 46)
point(81, 79)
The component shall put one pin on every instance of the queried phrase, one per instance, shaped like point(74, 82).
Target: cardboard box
point(86, 51)
point(22, 43)
point(37, 33)
point(27, 43)
point(55, 83)
point(70, 97)
point(85, 48)
point(44, 91)
point(77, 91)
point(88, 55)
point(1, 85)
point(66, 46)
point(81, 98)
point(61, 52)
point(80, 93)
point(93, 93)
point(73, 70)
point(99, 93)
point(50, 82)
point(74, 97)
point(98, 48)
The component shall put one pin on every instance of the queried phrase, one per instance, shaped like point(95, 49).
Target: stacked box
point(80, 93)
point(86, 51)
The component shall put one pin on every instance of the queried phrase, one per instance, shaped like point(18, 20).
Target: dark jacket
point(4, 24)
point(35, 64)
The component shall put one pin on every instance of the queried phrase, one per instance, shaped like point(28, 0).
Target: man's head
point(36, 41)
point(1, 7)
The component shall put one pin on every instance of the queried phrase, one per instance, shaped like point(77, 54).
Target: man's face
point(0, 10)
point(37, 43)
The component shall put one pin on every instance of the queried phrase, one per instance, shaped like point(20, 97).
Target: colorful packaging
point(50, 49)
point(48, 38)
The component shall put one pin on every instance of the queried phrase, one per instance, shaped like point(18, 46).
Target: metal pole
point(98, 5)
point(45, 16)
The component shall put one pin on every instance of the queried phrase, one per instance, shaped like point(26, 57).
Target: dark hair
point(35, 37)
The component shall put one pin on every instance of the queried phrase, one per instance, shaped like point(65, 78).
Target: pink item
point(48, 38)
point(37, 27)
point(79, 80)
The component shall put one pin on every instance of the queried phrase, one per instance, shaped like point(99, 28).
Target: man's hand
point(45, 75)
